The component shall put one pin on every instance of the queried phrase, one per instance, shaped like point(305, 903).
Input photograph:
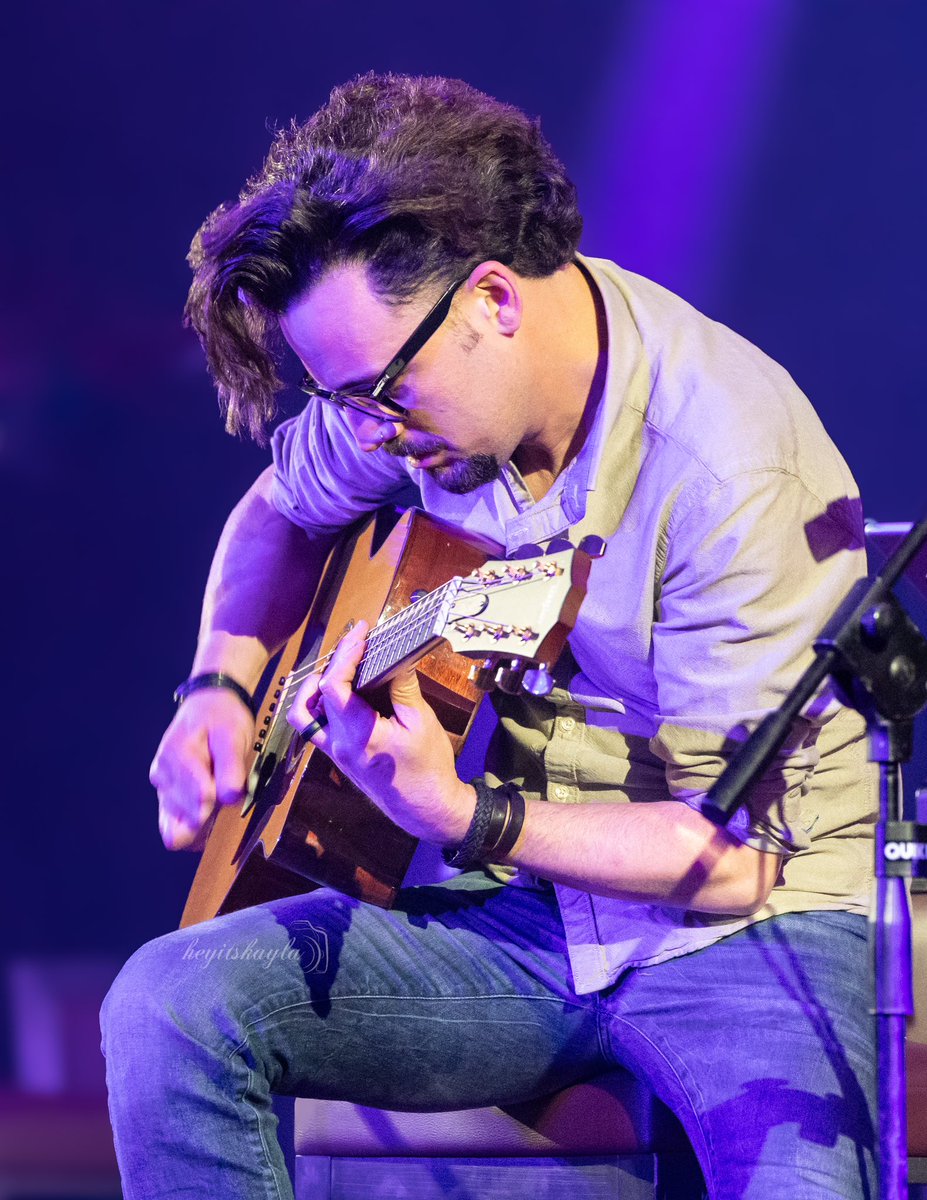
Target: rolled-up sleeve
point(323, 481)
point(754, 567)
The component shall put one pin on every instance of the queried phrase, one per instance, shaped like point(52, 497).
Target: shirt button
point(567, 724)
point(561, 792)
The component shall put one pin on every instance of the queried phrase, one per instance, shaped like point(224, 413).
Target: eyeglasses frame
point(425, 329)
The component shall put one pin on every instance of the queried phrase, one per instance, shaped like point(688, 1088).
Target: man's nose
point(371, 432)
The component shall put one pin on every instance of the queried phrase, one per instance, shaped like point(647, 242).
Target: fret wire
point(373, 662)
point(384, 652)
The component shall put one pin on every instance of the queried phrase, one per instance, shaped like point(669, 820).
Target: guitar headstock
point(515, 615)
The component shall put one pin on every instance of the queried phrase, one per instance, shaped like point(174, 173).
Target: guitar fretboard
point(407, 634)
point(485, 623)
point(404, 635)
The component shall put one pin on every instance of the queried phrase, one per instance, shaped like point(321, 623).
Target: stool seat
point(611, 1114)
point(344, 1150)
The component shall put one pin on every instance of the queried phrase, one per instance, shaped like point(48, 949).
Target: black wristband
point(496, 824)
point(515, 818)
point(466, 854)
point(499, 818)
point(215, 679)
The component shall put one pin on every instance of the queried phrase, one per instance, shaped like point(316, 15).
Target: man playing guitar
point(414, 244)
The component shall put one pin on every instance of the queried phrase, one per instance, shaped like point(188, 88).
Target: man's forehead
point(342, 330)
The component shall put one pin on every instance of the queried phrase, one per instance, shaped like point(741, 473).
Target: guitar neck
point(406, 636)
point(401, 639)
point(517, 611)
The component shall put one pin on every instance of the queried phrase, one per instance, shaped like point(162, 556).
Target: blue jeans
point(460, 997)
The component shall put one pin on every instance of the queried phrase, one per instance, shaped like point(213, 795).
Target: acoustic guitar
point(434, 596)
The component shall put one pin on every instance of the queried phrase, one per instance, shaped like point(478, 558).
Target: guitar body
point(309, 826)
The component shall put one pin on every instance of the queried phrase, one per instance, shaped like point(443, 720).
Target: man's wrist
point(466, 806)
point(215, 679)
point(243, 657)
point(494, 829)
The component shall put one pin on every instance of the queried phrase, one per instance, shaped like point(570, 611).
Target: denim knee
point(201, 985)
point(143, 996)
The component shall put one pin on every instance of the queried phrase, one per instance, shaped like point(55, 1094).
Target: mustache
point(401, 447)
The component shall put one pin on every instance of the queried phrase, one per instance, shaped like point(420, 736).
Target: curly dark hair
point(418, 177)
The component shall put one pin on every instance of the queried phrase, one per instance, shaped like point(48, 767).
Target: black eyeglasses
point(373, 401)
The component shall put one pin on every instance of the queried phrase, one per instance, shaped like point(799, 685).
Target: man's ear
point(497, 291)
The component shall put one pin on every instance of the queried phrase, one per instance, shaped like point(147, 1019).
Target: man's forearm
point(663, 852)
point(260, 585)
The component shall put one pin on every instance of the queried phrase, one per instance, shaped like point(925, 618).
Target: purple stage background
point(764, 158)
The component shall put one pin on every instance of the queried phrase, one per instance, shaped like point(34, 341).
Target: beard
point(460, 475)
point(466, 474)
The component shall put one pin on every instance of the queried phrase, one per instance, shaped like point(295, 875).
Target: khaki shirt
point(734, 528)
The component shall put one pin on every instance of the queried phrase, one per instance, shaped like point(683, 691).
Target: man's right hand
point(263, 574)
point(202, 760)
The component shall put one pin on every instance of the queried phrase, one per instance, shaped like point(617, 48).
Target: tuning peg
point(555, 545)
point(509, 679)
point(538, 681)
point(529, 550)
point(593, 545)
point(483, 674)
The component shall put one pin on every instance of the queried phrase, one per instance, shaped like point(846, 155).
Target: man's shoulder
point(713, 397)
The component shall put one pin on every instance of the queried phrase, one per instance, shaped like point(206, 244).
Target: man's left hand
point(404, 763)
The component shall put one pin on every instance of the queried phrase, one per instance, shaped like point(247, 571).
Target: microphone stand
point(877, 658)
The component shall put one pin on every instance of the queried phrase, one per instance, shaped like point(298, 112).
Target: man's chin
point(464, 475)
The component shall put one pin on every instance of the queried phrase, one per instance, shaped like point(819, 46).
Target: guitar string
point(288, 690)
point(302, 672)
point(382, 635)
